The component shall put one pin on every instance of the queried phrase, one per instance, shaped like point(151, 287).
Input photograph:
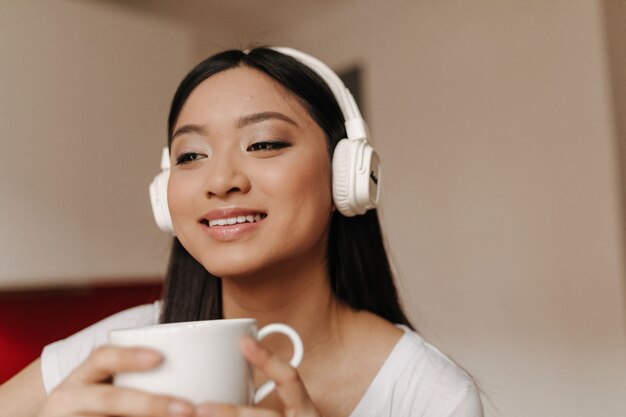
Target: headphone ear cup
point(356, 173)
point(342, 170)
point(158, 198)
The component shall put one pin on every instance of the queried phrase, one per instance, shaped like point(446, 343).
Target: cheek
point(301, 184)
point(181, 193)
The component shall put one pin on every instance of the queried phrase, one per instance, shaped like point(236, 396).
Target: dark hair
point(358, 267)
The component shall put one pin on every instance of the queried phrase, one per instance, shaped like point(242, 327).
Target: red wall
point(31, 320)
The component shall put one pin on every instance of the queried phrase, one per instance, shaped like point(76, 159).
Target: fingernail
point(206, 410)
point(148, 357)
point(180, 409)
point(250, 344)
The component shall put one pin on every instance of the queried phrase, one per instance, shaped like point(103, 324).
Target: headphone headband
point(355, 164)
point(355, 125)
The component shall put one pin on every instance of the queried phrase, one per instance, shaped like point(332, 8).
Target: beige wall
point(502, 203)
point(496, 125)
point(615, 29)
point(85, 89)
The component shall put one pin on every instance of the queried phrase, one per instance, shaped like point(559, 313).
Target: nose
point(226, 176)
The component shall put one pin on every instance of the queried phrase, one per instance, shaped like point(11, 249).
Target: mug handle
point(264, 390)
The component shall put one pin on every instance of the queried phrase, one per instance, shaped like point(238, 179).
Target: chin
point(250, 268)
point(235, 267)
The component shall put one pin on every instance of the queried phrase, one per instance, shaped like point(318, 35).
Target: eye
point(189, 157)
point(267, 146)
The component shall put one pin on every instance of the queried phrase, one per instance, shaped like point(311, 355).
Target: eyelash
point(188, 157)
point(264, 146)
point(267, 146)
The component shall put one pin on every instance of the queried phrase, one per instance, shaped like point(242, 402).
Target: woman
point(251, 136)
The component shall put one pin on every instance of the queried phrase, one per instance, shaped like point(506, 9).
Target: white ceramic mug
point(202, 359)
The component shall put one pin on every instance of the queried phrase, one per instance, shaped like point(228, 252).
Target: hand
point(86, 392)
point(289, 386)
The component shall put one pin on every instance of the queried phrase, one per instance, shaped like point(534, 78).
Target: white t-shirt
point(415, 380)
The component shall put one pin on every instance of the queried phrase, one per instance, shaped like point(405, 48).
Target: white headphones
point(356, 166)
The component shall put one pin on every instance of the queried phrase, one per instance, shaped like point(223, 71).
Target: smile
point(229, 221)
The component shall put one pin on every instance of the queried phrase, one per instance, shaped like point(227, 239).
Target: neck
point(300, 297)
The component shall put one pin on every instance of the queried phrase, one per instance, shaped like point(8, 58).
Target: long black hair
point(360, 274)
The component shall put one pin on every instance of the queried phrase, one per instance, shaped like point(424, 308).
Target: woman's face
point(249, 188)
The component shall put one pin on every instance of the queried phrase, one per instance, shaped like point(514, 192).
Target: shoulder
point(60, 358)
point(418, 379)
point(430, 381)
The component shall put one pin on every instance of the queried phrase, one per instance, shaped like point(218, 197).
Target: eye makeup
point(189, 148)
point(267, 145)
point(188, 157)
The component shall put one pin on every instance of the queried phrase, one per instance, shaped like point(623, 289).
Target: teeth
point(234, 220)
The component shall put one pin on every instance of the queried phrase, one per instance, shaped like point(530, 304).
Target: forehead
point(239, 91)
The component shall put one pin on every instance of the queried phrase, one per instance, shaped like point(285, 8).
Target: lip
point(229, 212)
point(231, 232)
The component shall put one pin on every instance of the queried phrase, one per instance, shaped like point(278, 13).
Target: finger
point(289, 386)
point(106, 361)
point(226, 410)
point(104, 399)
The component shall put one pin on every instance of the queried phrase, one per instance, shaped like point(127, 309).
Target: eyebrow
point(242, 122)
point(199, 129)
point(263, 116)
